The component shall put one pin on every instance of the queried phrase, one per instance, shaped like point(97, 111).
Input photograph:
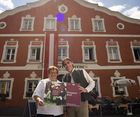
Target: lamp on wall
point(124, 82)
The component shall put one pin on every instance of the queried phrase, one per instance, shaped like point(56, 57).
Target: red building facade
point(105, 43)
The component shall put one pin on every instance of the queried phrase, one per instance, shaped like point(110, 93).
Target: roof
point(80, 2)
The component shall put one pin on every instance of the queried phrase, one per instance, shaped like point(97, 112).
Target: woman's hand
point(39, 101)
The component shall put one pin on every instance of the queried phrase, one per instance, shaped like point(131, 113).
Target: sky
point(130, 8)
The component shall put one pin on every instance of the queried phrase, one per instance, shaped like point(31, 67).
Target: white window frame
point(50, 23)
point(33, 60)
point(96, 26)
point(27, 23)
point(94, 53)
point(10, 88)
point(26, 86)
point(62, 56)
point(138, 77)
point(6, 46)
point(113, 88)
point(97, 79)
point(74, 27)
point(3, 25)
point(132, 48)
point(111, 58)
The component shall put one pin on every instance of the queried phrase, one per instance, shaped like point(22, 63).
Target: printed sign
point(67, 94)
point(55, 93)
point(73, 95)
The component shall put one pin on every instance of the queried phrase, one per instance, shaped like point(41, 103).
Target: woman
point(39, 95)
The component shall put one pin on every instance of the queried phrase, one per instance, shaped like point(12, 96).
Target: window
point(113, 51)
point(10, 51)
point(9, 54)
point(50, 23)
point(136, 51)
point(63, 49)
point(97, 83)
point(3, 25)
point(63, 9)
point(6, 85)
point(97, 87)
point(30, 85)
point(74, 24)
point(135, 46)
point(27, 23)
point(35, 51)
point(119, 90)
point(62, 52)
point(89, 53)
point(98, 24)
point(120, 26)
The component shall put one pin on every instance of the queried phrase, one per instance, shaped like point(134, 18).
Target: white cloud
point(1, 10)
point(7, 4)
point(118, 8)
point(134, 12)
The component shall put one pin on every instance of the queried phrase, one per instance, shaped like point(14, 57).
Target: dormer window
point(27, 23)
point(50, 23)
point(98, 24)
point(74, 24)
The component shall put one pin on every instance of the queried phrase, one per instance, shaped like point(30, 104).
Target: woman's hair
point(52, 68)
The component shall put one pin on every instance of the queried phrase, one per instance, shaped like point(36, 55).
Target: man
point(86, 85)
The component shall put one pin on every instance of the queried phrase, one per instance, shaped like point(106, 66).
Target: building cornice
point(85, 66)
point(71, 35)
point(26, 67)
point(102, 67)
point(98, 35)
point(22, 35)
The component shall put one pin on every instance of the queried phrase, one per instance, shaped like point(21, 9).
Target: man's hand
point(82, 89)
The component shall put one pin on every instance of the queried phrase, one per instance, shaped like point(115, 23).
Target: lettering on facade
point(75, 66)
